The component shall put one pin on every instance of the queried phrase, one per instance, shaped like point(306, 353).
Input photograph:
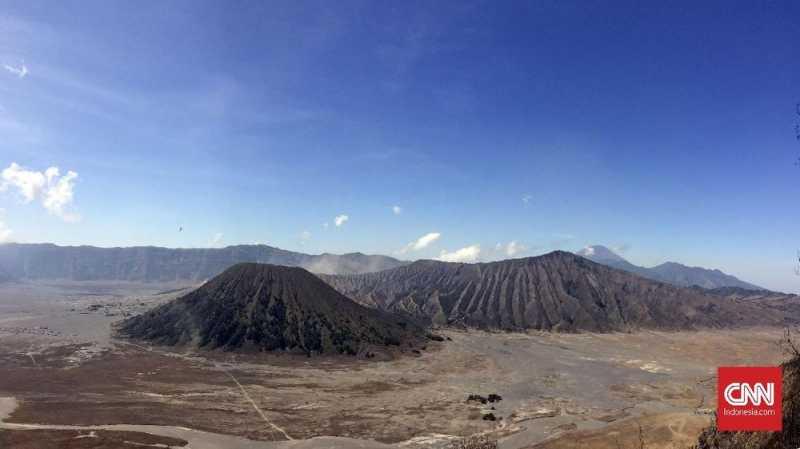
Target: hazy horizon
point(466, 132)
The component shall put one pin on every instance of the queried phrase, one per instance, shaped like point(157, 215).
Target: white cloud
point(325, 225)
point(340, 220)
point(507, 250)
point(513, 248)
point(216, 240)
point(526, 199)
point(397, 210)
point(21, 71)
point(421, 243)
point(59, 193)
point(304, 237)
point(425, 240)
point(466, 254)
point(56, 192)
point(29, 183)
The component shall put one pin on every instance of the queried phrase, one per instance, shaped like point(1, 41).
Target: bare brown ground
point(563, 391)
point(663, 431)
point(559, 390)
point(133, 386)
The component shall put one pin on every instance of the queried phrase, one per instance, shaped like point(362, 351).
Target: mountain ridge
point(670, 272)
point(153, 263)
point(558, 291)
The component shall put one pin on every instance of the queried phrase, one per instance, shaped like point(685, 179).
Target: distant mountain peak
point(599, 253)
point(669, 272)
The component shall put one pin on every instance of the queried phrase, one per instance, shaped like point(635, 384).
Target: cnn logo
point(749, 398)
point(741, 394)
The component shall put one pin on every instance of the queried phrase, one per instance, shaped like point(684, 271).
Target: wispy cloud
point(340, 220)
point(467, 254)
point(561, 239)
point(18, 132)
point(421, 243)
point(304, 237)
point(621, 248)
point(513, 248)
point(216, 241)
point(526, 199)
point(397, 210)
point(21, 71)
point(56, 192)
point(510, 249)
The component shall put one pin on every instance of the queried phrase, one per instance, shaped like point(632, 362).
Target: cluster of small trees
point(475, 442)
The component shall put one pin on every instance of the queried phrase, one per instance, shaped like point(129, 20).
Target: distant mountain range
point(267, 308)
point(669, 272)
point(150, 263)
point(558, 291)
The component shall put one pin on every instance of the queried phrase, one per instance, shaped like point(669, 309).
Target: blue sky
point(663, 130)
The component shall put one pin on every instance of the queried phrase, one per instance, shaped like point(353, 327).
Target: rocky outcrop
point(558, 291)
point(269, 308)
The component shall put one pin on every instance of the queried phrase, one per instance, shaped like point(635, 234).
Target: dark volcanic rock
point(558, 291)
point(150, 263)
point(268, 307)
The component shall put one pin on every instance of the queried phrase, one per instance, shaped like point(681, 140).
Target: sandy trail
point(235, 380)
point(255, 406)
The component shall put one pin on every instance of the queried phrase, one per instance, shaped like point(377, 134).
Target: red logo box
point(749, 398)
